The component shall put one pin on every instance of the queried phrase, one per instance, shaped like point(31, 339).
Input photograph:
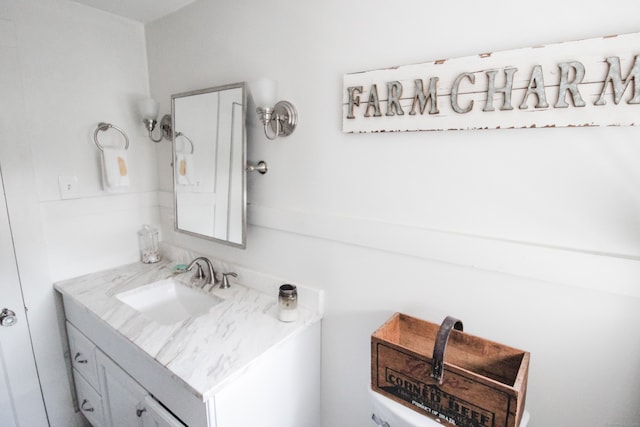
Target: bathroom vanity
point(233, 365)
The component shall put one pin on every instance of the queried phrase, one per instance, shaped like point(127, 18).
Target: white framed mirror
point(209, 153)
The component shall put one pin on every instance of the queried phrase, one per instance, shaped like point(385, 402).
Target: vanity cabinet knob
point(139, 412)
point(79, 360)
point(88, 408)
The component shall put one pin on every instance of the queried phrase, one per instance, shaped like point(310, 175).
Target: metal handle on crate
point(379, 421)
point(449, 323)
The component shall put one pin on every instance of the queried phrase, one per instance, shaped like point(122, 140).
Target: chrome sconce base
point(281, 120)
point(166, 130)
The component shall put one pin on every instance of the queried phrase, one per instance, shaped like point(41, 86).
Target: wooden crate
point(483, 383)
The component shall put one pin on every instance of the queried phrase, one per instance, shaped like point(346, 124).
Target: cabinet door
point(122, 397)
point(155, 415)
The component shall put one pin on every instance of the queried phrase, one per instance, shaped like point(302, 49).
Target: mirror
point(209, 141)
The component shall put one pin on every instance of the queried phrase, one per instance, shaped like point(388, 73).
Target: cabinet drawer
point(89, 401)
point(83, 355)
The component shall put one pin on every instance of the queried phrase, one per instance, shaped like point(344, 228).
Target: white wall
point(80, 66)
point(532, 237)
point(529, 236)
point(76, 67)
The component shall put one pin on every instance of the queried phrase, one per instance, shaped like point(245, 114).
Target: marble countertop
point(206, 351)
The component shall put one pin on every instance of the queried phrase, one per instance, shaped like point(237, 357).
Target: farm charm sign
point(593, 82)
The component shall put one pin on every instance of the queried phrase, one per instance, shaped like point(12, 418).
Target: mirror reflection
point(209, 163)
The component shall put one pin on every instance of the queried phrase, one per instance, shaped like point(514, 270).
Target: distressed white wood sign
point(594, 82)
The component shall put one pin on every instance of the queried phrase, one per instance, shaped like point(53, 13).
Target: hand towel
point(115, 168)
point(184, 168)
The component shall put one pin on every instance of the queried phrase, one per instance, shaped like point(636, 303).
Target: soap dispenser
point(148, 239)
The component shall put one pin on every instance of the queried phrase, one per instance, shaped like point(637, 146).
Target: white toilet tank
point(388, 413)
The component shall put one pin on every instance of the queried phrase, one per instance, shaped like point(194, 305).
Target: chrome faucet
point(206, 276)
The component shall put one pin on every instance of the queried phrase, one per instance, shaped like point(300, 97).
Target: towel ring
point(187, 138)
point(102, 126)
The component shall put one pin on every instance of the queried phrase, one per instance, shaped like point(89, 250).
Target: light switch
point(68, 186)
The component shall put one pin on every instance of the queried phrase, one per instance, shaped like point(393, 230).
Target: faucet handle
point(225, 281)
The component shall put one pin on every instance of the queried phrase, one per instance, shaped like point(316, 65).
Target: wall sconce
point(279, 119)
point(149, 111)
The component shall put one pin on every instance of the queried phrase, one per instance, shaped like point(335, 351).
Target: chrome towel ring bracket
point(103, 127)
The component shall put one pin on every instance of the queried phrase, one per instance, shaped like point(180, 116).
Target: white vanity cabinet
point(107, 395)
point(119, 385)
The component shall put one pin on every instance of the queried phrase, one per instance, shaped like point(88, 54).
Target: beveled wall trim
point(601, 272)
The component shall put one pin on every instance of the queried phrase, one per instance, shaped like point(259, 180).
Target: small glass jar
point(288, 303)
point(148, 239)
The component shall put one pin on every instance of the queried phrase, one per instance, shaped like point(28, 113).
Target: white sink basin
point(168, 301)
